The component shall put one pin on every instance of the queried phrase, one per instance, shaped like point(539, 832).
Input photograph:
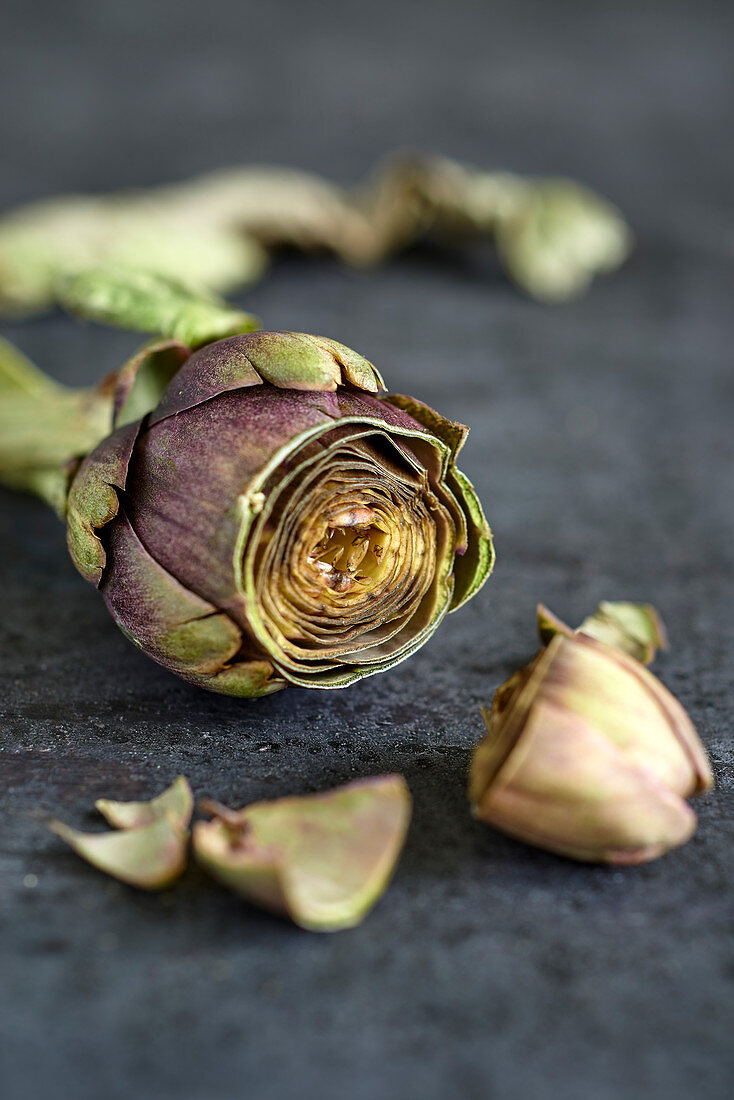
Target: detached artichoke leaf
point(150, 857)
point(44, 242)
point(322, 860)
point(552, 235)
point(176, 804)
point(549, 625)
point(556, 236)
point(633, 628)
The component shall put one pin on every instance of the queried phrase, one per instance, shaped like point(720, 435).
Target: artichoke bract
point(148, 845)
point(322, 860)
point(588, 755)
point(275, 519)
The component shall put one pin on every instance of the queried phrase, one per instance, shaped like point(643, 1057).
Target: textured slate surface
point(602, 446)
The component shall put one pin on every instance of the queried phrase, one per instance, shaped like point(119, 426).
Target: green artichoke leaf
point(448, 431)
point(150, 857)
point(46, 241)
point(47, 428)
point(322, 860)
point(356, 370)
point(472, 567)
point(553, 236)
point(148, 302)
point(175, 803)
point(286, 360)
point(558, 237)
point(292, 361)
point(245, 679)
point(18, 375)
point(141, 382)
point(93, 500)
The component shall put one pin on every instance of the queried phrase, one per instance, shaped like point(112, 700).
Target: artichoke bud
point(589, 756)
point(275, 519)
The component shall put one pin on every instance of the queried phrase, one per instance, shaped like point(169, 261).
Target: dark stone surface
point(602, 445)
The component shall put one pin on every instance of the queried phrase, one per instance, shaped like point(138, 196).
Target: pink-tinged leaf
point(323, 860)
point(150, 857)
point(175, 803)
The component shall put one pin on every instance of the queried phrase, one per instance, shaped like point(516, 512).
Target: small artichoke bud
point(587, 755)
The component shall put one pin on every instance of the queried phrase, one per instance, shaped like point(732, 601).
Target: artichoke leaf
point(45, 427)
point(150, 857)
point(287, 360)
point(93, 501)
point(141, 382)
point(148, 302)
point(322, 860)
point(588, 755)
point(175, 803)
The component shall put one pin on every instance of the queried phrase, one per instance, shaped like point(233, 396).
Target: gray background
point(602, 448)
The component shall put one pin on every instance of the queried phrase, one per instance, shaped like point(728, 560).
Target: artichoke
point(273, 519)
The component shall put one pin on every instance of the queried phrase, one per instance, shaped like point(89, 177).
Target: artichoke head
point(275, 519)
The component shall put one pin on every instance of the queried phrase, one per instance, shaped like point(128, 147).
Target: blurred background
point(602, 447)
point(631, 97)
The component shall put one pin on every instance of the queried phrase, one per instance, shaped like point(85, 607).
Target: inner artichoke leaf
point(335, 631)
point(314, 629)
point(378, 531)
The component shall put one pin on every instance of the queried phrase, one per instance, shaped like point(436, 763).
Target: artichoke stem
point(45, 428)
